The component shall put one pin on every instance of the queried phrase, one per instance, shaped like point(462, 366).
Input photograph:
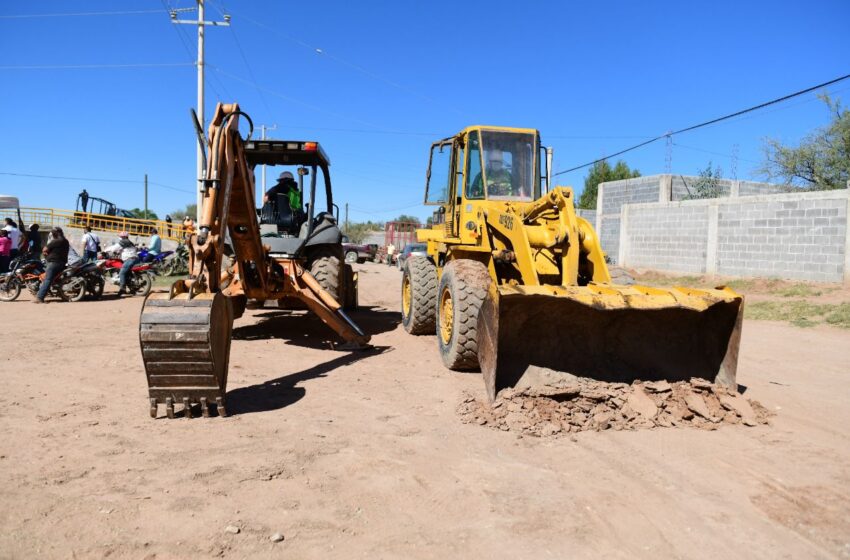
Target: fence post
point(711, 240)
point(665, 188)
point(622, 256)
point(847, 242)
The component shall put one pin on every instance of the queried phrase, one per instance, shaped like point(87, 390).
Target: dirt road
point(363, 455)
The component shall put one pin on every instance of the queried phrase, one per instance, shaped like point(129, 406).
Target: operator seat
point(278, 212)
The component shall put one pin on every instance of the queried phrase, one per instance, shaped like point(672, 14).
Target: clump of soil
point(585, 404)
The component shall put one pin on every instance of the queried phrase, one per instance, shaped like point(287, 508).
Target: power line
point(244, 58)
point(343, 61)
point(93, 66)
point(721, 154)
point(292, 99)
point(96, 180)
point(80, 14)
point(707, 123)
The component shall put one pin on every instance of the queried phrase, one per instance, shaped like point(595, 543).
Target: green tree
point(708, 184)
point(190, 210)
point(407, 218)
point(357, 231)
point(821, 161)
point(600, 172)
point(140, 213)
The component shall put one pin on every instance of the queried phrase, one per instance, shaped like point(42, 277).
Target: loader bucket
point(610, 333)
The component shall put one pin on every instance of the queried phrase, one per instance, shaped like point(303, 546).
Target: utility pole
point(346, 217)
point(200, 63)
point(263, 129)
point(146, 196)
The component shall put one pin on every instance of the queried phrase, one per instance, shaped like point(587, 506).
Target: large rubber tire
point(463, 287)
point(351, 257)
point(350, 297)
point(97, 285)
point(620, 276)
point(419, 305)
point(144, 284)
point(72, 289)
point(326, 267)
point(10, 289)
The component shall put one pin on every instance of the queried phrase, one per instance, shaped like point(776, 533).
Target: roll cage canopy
point(285, 152)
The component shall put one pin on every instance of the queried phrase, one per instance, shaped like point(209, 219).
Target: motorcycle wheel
point(143, 284)
point(96, 288)
point(72, 289)
point(10, 289)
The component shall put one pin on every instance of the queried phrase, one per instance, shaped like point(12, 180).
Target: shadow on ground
point(303, 328)
point(284, 391)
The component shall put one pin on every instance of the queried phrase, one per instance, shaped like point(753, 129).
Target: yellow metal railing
point(50, 217)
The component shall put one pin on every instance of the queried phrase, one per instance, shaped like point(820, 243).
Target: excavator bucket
point(186, 347)
point(606, 332)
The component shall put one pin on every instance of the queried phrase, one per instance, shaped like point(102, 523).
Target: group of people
point(13, 242)
point(58, 253)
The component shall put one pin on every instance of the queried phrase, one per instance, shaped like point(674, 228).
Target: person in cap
point(499, 180)
point(285, 185)
point(130, 256)
point(56, 255)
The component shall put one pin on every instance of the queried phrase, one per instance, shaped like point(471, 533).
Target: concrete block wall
point(798, 236)
point(611, 198)
point(614, 195)
point(589, 215)
point(647, 243)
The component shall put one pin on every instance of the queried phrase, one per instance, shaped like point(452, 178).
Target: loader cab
point(301, 212)
point(483, 164)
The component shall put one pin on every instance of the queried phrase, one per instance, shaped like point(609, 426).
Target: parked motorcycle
point(158, 262)
point(139, 278)
point(89, 274)
point(29, 273)
point(177, 263)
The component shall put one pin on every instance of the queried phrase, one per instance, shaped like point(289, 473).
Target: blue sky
point(392, 77)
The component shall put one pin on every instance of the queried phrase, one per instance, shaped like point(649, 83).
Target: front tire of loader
point(463, 287)
point(419, 296)
point(326, 268)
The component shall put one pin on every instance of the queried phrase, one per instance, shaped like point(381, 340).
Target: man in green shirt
point(499, 180)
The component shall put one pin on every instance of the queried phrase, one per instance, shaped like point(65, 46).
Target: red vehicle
point(139, 279)
point(399, 234)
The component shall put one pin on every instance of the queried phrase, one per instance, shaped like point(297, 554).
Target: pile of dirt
point(585, 404)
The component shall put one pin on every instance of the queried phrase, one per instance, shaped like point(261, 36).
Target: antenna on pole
point(735, 147)
point(201, 23)
point(263, 129)
point(668, 154)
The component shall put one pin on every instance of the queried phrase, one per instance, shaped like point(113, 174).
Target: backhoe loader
point(281, 252)
point(517, 284)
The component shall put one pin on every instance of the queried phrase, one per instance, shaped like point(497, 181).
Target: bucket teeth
point(153, 408)
point(185, 347)
point(219, 404)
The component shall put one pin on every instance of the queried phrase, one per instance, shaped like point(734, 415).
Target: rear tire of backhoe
point(463, 287)
point(326, 268)
point(419, 296)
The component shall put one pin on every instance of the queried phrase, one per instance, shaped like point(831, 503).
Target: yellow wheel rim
point(446, 316)
point(406, 297)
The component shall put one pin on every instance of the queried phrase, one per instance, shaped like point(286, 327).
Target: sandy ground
point(363, 455)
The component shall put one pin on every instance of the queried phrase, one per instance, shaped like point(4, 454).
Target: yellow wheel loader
point(516, 283)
